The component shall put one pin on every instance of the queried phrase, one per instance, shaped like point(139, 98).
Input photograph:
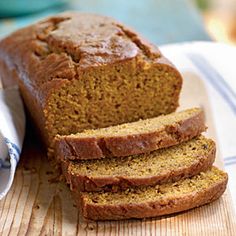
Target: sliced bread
point(132, 138)
point(160, 166)
point(154, 201)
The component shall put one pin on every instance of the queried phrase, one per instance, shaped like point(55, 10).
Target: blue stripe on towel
point(13, 145)
point(13, 150)
point(12, 154)
point(216, 80)
point(230, 163)
point(230, 158)
point(4, 165)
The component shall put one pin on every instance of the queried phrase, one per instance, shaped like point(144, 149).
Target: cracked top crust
point(49, 53)
point(93, 40)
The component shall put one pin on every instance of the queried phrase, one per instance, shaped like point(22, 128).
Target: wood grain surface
point(37, 205)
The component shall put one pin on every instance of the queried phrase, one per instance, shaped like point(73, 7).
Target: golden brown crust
point(75, 147)
point(152, 209)
point(79, 182)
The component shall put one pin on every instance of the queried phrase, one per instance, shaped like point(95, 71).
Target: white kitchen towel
point(198, 57)
point(12, 131)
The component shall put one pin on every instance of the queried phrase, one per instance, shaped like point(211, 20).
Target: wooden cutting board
point(38, 206)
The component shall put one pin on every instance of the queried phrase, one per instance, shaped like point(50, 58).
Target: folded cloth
point(215, 63)
point(12, 131)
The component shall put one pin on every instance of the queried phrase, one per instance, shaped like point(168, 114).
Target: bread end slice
point(155, 201)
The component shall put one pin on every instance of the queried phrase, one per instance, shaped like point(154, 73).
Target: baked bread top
point(60, 46)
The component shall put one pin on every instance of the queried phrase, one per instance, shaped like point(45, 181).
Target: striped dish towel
point(216, 65)
point(12, 130)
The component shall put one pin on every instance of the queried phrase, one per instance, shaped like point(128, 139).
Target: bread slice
point(155, 201)
point(165, 165)
point(132, 138)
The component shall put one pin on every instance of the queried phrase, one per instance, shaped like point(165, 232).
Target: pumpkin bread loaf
point(160, 200)
point(132, 138)
point(161, 166)
point(80, 71)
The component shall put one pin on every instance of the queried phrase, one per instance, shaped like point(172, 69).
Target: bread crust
point(79, 182)
point(79, 148)
point(153, 208)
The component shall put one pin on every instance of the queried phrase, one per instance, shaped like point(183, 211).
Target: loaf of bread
point(161, 166)
point(132, 138)
point(154, 201)
point(80, 71)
